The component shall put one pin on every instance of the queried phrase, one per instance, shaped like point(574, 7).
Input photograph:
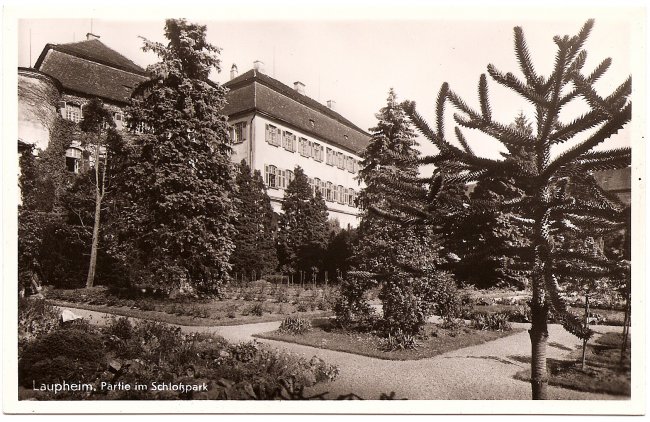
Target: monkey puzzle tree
point(546, 205)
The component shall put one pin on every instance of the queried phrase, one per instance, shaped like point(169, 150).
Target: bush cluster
point(497, 321)
point(295, 325)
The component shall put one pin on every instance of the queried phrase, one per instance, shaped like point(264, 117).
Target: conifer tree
point(547, 206)
point(179, 186)
point(255, 243)
point(386, 252)
point(303, 226)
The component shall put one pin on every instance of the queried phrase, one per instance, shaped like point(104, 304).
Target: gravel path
point(481, 372)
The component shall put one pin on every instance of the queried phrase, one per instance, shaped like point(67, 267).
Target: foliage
point(36, 317)
point(64, 354)
point(295, 325)
point(302, 235)
point(338, 257)
point(178, 185)
point(400, 341)
point(547, 206)
point(255, 248)
point(496, 321)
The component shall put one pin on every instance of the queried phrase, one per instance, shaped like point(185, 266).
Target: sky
point(355, 60)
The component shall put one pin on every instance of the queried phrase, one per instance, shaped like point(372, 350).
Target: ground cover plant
point(154, 354)
point(604, 372)
point(255, 302)
point(434, 339)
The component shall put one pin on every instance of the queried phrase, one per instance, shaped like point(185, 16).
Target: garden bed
point(603, 372)
point(238, 306)
point(435, 341)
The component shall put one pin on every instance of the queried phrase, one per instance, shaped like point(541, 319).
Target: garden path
point(480, 372)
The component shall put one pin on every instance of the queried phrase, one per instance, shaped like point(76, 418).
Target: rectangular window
point(73, 112)
point(317, 151)
point(339, 162)
point(289, 141)
point(351, 198)
point(72, 159)
point(289, 177)
point(270, 176)
point(311, 186)
point(303, 148)
point(272, 135)
point(329, 194)
point(281, 179)
point(329, 157)
point(339, 194)
point(316, 187)
point(238, 132)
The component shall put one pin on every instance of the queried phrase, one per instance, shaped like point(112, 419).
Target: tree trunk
point(538, 339)
point(584, 342)
point(99, 195)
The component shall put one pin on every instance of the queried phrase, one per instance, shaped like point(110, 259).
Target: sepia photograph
point(332, 209)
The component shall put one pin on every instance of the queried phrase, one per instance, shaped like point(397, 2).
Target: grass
point(436, 340)
point(603, 372)
point(239, 306)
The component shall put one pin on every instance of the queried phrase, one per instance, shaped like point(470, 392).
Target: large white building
point(275, 128)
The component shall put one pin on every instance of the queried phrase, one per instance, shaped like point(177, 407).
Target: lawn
point(435, 341)
point(258, 302)
point(603, 372)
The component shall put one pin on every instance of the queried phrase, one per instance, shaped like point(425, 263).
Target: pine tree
point(303, 227)
point(178, 188)
point(255, 243)
point(547, 207)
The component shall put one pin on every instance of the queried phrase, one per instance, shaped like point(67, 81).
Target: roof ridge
point(129, 66)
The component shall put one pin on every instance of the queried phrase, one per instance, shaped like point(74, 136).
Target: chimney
point(233, 71)
point(258, 65)
point(331, 104)
point(300, 87)
point(91, 36)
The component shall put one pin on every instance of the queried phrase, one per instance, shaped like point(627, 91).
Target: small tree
point(546, 206)
point(178, 187)
point(96, 122)
point(302, 235)
point(255, 244)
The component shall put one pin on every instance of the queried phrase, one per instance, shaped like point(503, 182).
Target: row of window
point(306, 148)
point(74, 112)
point(276, 178)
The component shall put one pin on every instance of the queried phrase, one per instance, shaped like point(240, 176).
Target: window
point(339, 160)
point(272, 135)
point(73, 112)
point(346, 196)
point(289, 141)
point(311, 186)
point(281, 178)
point(304, 147)
point(316, 186)
point(270, 176)
point(329, 158)
point(352, 197)
point(317, 152)
point(72, 159)
point(329, 194)
point(340, 194)
point(289, 177)
point(238, 133)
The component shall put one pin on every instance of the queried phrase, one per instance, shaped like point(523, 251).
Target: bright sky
point(355, 61)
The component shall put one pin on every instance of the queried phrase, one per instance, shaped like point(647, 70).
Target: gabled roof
point(255, 91)
point(91, 68)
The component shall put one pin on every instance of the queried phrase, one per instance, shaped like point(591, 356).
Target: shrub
point(295, 325)
point(65, 354)
point(351, 305)
point(257, 309)
point(491, 321)
point(400, 341)
point(36, 317)
point(301, 307)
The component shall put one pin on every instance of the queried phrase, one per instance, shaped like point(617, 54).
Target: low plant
point(295, 325)
point(257, 309)
point(497, 321)
point(399, 340)
point(35, 318)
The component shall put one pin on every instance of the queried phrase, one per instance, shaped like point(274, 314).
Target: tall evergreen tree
point(178, 188)
point(547, 206)
point(303, 226)
point(387, 252)
point(255, 243)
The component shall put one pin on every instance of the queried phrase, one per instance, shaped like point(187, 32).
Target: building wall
point(38, 96)
point(264, 154)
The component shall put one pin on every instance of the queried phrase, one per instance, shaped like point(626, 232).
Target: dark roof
point(95, 51)
point(91, 68)
point(255, 91)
